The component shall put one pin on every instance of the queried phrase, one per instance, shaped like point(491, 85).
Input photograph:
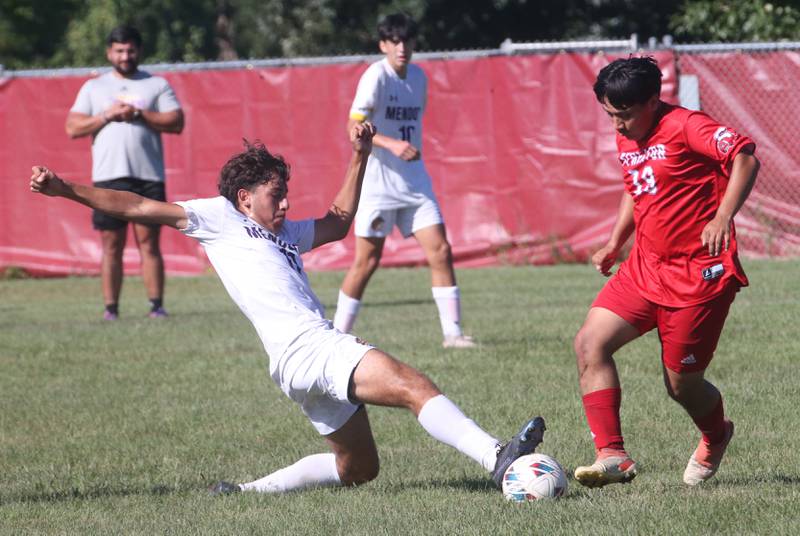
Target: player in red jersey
point(685, 178)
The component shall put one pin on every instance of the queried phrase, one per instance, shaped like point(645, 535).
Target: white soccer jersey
point(395, 106)
point(261, 271)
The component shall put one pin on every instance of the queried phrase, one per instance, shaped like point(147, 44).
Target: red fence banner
point(522, 157)
point(756, 94)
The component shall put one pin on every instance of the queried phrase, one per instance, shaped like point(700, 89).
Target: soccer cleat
point(525, 442)
point(108, 315)
point(606, 470)
point(458, 341)
point(706, 459)
point(224, 488)
point(158, 313)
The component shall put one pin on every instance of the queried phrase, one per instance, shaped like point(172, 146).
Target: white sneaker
point(608, 470)
point(706, 459)
point(459, 341)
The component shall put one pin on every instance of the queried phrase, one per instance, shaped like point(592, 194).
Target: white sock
point(445, 422)
point(346, 312)
point(315, 471)
point(448, 301)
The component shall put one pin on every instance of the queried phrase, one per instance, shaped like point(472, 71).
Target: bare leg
point(366, 261)
point(383, 380)
point(603, 333)
point(367, 258)
point(148, 238)
point(433, 241)
point(113, 244)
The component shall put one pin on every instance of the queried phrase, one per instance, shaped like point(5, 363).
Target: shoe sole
point(592, 478)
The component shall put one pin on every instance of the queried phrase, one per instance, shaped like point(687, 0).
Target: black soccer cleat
point(525, 442)
point(224, 488)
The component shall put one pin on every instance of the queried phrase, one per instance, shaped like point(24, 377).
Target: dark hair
point(124, 34)
point(625, 82)
point(253, 166)
point(397, 27)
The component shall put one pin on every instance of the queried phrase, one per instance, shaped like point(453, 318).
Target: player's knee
point(367, 264)
point(440, 255)
point(582, 344)
point(680, 391)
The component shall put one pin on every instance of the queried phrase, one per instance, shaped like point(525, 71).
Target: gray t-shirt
point(122, 149)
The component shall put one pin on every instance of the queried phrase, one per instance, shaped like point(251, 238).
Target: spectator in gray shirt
point(125, 111)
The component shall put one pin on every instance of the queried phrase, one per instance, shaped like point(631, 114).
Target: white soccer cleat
point(706, 459)
point(459, 341)
point(608, 470)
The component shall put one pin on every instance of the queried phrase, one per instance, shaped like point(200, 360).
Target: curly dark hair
point(628, 81)
point(253, 166)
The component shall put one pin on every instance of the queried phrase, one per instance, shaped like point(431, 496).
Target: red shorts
point(688, 335)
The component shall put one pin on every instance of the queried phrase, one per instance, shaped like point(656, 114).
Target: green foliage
point(54, 33)
point(117, 428)
point(737, 21)
point(31, 31)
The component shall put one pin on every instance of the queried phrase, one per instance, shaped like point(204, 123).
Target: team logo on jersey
point(654, 152)
point(725, 139)
point(713, 272)
point(290, 251)
point(377, 224)
point(403, 113)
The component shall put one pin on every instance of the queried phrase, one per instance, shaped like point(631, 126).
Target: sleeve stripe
point(358, 116)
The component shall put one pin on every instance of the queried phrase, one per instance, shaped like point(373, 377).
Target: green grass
point(117, 428)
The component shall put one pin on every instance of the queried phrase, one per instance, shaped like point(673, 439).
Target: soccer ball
point(532, 477)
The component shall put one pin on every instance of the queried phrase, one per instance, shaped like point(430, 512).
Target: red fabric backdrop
point(522, 157)
point(757, 94)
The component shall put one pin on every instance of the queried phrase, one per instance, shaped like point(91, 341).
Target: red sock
point(712, 426)
point(602, 414)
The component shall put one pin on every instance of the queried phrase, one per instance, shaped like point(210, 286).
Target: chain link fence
point(753, 89)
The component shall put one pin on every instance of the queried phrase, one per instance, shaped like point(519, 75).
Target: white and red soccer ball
point(532, 477)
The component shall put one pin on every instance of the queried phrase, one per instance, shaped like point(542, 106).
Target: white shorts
point(374, 222)
point(315, 372)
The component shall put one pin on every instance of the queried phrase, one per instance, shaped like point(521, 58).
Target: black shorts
point(149, 189)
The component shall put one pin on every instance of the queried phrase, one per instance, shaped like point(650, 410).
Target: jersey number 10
point(406, 131)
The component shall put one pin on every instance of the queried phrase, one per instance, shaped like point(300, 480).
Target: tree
point(736, 21)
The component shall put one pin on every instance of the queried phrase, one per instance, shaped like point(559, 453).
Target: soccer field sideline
point(119, 428)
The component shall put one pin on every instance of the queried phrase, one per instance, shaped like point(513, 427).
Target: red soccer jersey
point(677, 177)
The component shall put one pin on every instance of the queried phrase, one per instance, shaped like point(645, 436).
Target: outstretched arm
point(336, 223)
point(123, 205)
point(717, 233)
point(606, 257)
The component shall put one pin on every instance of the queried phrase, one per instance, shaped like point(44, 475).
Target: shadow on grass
point(749, 480)
point(394, 303)
point(92, 493)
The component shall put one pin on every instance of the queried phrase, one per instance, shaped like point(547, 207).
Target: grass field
point(118, 428)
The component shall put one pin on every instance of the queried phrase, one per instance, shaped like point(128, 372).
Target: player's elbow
point(341, 229)
point(179, 123)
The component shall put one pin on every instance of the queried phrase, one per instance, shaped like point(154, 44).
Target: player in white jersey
point(256, 251)
point(397, 189)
